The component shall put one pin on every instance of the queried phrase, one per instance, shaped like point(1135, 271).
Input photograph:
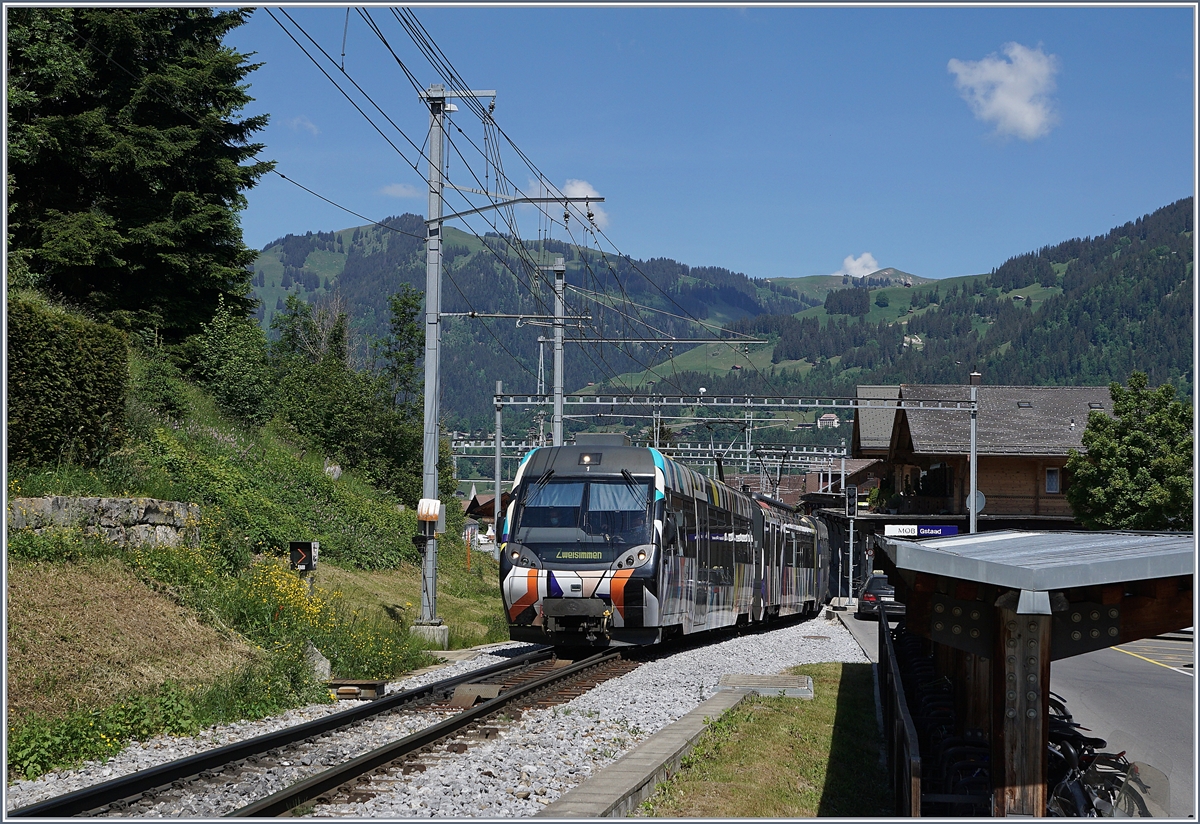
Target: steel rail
point(281, 802)
point(163, 775)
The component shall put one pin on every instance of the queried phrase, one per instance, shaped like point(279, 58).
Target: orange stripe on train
point(528, 599)
point(616, 589)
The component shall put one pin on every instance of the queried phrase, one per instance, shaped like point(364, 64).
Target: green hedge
point(67, 379)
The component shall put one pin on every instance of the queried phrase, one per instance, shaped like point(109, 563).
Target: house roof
point(483, 506)
point(1049, 560)
point(1013, 420)
point(873, 427)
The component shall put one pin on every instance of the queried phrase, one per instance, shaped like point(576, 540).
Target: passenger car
point(876, 592)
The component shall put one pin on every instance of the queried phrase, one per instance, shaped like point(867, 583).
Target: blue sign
point(936, 531)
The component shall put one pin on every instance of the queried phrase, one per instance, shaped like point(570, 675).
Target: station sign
point(918, 530)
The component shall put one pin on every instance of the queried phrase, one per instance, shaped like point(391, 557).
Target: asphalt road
point(1139, 697)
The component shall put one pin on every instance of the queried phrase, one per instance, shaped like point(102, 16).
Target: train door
point(676, 561)
point(721, 578)
point(690, 565)
point(703, 567)
point(791, 599)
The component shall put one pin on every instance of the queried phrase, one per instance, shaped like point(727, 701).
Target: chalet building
point(1023, 437)
point(828, 421)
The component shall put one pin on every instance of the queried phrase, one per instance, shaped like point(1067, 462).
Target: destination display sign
point(918, 530)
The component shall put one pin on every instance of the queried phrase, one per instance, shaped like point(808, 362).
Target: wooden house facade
point(1024, 435)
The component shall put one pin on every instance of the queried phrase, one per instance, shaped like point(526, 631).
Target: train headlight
point(641, 555)
point(629, 561)
point(515, 555)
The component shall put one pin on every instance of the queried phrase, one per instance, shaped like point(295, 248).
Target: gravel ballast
point(528, 765)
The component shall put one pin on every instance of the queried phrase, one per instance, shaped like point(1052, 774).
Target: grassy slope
point(121, 636)
point(80, 634)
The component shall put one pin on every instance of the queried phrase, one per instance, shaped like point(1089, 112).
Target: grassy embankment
point(107, 645)
point(786, 757)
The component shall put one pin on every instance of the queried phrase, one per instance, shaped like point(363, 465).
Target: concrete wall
point(122, 521)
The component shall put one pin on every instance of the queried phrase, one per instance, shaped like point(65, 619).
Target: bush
point(67, 379)
point(158, 383)
point(233, 364)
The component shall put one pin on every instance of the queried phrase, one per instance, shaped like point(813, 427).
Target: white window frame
point(1054, 473)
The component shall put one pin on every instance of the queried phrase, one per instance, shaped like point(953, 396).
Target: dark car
point(877, 592)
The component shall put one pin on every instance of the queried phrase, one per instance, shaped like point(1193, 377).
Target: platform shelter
point(998, 607)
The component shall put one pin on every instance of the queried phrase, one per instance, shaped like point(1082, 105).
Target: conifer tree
point(127, 161)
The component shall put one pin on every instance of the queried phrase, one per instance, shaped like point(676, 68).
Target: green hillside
point(1087, 311)
point(616, 297)
point(1051, 316)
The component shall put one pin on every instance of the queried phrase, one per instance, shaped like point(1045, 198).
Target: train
point(605, 545)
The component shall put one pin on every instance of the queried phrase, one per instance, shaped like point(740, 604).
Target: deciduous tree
point(1137, 473)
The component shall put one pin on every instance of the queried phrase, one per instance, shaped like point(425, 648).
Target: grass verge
point(107, 645)
point(786, 757)
point(113, 603)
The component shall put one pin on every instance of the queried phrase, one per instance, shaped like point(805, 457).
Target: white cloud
point(1011, 94)
point(581, 188)
point(857, 267)
point(302, 122)
point(402, 190)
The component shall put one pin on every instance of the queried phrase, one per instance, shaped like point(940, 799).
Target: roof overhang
point(1042, 561)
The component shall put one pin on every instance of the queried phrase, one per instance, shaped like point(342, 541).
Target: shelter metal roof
point(1041, 561)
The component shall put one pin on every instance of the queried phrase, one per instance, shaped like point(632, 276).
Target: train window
point(552, 505)
point(744, 541)
point(689, 529)
point(618, 510)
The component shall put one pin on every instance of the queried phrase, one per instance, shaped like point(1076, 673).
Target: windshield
point(586, 521)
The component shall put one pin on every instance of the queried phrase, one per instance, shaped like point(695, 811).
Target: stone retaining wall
point(122, 521)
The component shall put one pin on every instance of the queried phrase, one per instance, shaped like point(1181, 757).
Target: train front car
point(579, 558)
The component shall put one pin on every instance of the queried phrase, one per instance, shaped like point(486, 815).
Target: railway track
point(373, 773)
point(409, 722)
point(122, 791)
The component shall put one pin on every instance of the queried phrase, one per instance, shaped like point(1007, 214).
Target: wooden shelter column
point(973, 695)
point(1021, 686)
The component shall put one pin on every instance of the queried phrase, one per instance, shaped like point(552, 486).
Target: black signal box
point(304, 555)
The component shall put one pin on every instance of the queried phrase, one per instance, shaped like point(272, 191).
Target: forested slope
point(1084, 311)
point(492, 274)
point(1110, 305)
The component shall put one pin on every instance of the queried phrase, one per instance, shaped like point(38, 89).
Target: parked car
point(876, 592)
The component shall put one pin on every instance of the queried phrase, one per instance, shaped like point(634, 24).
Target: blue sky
point(778, 142)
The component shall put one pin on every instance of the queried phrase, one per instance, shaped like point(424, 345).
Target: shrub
point(158, 383)
point(67, 380)
point(233, 364)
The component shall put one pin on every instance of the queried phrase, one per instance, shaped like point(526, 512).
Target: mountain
point(610, 296)
point(819, 285)
point(1086, 311)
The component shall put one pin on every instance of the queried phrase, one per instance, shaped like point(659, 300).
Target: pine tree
point(127, 163)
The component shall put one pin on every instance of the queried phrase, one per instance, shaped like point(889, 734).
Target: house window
point(1052, 481)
